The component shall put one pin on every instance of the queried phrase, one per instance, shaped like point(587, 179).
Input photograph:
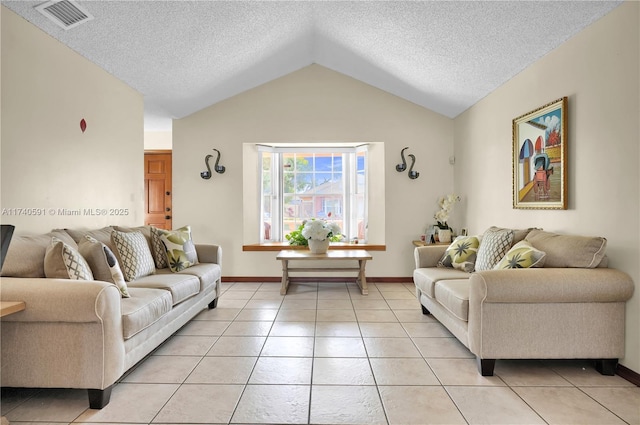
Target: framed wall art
point(540, 158)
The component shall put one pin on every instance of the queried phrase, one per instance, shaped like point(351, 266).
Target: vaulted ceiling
point(444, 55)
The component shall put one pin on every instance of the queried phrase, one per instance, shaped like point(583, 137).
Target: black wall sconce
point(413, 174)
point(218, 168)
point(401, 167)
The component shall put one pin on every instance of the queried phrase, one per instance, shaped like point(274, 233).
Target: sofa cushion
point(461, 254)
point(520, 234)
point(207, 273)
point(453, 295)
point(179, 247)
point(25, 257)
point(157, 248)
point(426, 278)
point(144, 308)
point(181, 286)
point(62, 261)
point(103, 235)
point(135, 257)
point(568, 250)
point(522, 256)
point(103, 262)
point(494, 245)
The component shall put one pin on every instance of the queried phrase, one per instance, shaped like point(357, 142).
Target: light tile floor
point(324, 354)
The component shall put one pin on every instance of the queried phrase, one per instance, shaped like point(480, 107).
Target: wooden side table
point(10, 307)
point(421, 243)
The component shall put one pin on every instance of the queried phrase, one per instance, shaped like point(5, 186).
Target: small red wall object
point(83, 125)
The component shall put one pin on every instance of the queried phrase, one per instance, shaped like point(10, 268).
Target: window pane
point(321, 181)
point(360, 182)
point(337, 163)
point(360, 161)
point(323, 185)
point(337, 186)
point(303, 182)
point(304, 162)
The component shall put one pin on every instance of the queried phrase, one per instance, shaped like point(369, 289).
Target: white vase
point(444, 235)
point(318, 247)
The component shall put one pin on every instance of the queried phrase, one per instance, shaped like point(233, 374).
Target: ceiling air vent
point(64, 13)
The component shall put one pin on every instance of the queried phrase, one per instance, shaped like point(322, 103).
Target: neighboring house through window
point(300, 182)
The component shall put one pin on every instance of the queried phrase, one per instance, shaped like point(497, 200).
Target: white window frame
point(350, 216)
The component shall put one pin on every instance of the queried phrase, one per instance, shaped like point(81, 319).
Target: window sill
point(278, 246)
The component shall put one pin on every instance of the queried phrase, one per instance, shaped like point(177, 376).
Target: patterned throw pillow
point(157, 248)
point(494, 245)
point(103, 263)
point(461, 254)
point(62, 261)
point(522, 256)
point(135, 256)
point(181, 252)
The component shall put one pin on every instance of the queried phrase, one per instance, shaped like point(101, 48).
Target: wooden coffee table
point(10, 307)
point(359, 255)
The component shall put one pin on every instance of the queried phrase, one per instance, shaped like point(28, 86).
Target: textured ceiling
point(444, 55)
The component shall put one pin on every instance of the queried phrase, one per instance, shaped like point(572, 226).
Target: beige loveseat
point(571, 306)
point(84, 333)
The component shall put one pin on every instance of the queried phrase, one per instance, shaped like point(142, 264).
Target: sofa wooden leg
point(424, 310)
point(213, 304)
point(606, 366)
point(99, 398)
point(485, 366)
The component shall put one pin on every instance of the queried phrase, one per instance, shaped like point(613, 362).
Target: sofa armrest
point(428, 255)
point(209, 253)
point(550, 285)
point(68, 336)
point(61, 300)
point(548, 313)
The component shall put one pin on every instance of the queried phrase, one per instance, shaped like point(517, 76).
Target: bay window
point(300, 182)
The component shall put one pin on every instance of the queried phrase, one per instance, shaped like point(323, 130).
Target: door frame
point(160, 152)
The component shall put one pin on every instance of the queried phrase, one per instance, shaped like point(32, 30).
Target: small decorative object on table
point(315, 233)
point(446, 205)
point(319, 247)
point(444, 235)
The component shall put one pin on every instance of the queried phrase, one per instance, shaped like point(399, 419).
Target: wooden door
point(157, 189)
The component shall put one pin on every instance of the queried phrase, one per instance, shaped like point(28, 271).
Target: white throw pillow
point(103, 263)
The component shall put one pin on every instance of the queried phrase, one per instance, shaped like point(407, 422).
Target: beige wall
point(158, 140)
point(47, 161)
point(311, 105)
point(598, 70)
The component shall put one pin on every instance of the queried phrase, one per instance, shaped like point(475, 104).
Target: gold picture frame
point(540, 158)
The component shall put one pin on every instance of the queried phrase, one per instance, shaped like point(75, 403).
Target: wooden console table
point(360, 256)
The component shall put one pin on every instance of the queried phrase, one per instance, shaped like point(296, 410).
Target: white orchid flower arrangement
point(446, 204)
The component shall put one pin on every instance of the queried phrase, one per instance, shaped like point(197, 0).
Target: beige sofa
point(572, 307)
point(83, 333)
